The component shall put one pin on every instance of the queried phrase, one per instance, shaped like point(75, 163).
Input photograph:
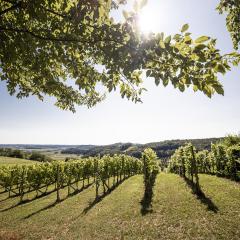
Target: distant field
point(59, 156)
point(9, 160)
point(177, 213)
point(56, 154)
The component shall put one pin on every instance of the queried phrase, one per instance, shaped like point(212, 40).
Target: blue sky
point(165, 113)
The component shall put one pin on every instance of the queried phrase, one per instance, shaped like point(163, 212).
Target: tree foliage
point(17, 153)
point(232, 9)
point(45, 43)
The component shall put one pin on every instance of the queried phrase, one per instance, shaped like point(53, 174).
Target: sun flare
point(148, 21)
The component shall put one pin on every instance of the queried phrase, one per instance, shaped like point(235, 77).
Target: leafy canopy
point(232, 9)
point(44, 43)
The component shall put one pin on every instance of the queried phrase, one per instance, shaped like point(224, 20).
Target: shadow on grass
point(57, 202)
point(101, 197)
point(202, 197)
point(43, 209)
point(3, 191)
point(41, 196)
point(79, 190)
point(27, 200)
point(16, 194)
point(2, 200)
point(146, 201)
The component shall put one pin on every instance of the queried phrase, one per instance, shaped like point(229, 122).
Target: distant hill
point(163, 149)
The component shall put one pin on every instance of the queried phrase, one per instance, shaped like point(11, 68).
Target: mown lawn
point(176, 213)
point(10, 160)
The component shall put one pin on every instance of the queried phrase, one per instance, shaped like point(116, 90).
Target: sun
point(148, 21)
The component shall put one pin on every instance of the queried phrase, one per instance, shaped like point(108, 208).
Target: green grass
point(57, 155)
point(10, 160)
point(62, 156)
point(177, 213)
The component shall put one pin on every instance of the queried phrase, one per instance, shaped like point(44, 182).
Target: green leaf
point(185, 27)
point(148, 73)
point(177, 37)
point(208, 91)
point(168, 40)
point(199, 47)
point(101, 11)
point(195, 88)
point(202, 39)
point(220, 68)
point(188, 40)
point(165, 82)
point(181, 87)
point(219, 89)
point(161, 44)
point(157, 81)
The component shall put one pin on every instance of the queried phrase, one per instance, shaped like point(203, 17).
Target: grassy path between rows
point(176, 213)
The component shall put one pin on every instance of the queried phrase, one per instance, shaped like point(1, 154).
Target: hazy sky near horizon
point(165, 113)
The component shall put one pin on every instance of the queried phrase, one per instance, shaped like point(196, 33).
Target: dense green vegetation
point(68, 39)
point(19, 179)
point(176, 212)
point(232, 11)
point(150, 171)
point(17, 153)
point(223, 159)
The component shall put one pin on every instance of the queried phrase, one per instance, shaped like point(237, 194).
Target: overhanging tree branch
point(63, 39)
point(13, 7)
point(68, 35)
